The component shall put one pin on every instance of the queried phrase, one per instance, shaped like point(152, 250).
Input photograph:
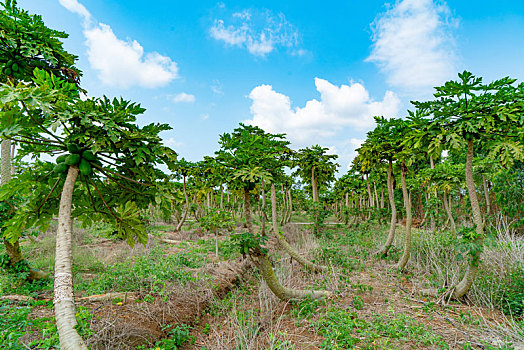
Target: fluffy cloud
point(339, 107)
point(183, 97)
point(413, 45)
point(118, 62)
point(260, 32)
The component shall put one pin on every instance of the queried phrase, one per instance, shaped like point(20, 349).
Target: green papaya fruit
point(85, 167)
point(88, 155)
point(72, 159)
point(60, 168)
point(8, 71)
point(73, 148)
point(15, 67)
point(61, 159)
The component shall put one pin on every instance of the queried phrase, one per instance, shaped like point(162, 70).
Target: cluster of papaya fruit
point(13, 67)
point(77, 156)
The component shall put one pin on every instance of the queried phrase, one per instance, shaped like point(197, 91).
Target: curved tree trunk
point(463, 286)
point(393, 222)
point(183, 219)
point(283, 293)
point(407, 203)
point(266, 270)
point(282, 240)
point(63, 289)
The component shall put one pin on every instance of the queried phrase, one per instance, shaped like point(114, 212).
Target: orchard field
point(113, 240)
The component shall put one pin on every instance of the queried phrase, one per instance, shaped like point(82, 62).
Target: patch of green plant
point(150, 273)
point(177, 336)
point(15, 322)
point(345, 330)
point(307, 307)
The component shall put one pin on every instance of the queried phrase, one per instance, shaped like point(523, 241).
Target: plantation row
point(101, 167)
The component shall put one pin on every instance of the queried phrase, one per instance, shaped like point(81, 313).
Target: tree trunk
point(181, 222)
point(314, 185)
point(282, 240)
point(462, 288)
point(263, 228)
point(290, 201)
point(221, 197)
point(369, 191)
point(433, 224)
point(283, 293)
point(407, 203)
point(376, 195)
point(13, 249)
point(393, 222)
point(447, 206)
point(486, 195)
point(63, 290)
point(382, 197)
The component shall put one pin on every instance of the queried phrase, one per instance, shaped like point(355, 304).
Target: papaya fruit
point(8, 71)
point(61, 159)
point(88, 155)
point(15, 67)
point(85, 167)
point(73, 148)
point(72, 159)
point(60, 168)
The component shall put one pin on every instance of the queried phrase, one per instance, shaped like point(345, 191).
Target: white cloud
point(204, 116)
point(183, 97)
point(339, 107)
point(260, 32)
point(413, 45)
point(217, 87)
point(171, 142)
point(76, 7)
point(118, 62)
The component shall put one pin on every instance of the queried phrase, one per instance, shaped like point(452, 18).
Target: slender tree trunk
point(261, 261)
point(463, 286)
point(447, 206)
point(314, 185)
point(264, 217)
point(183, 219)
point(369, 191)
point(486, 195)
point(393, 222)
point(376, 195)
point(221, 197)
point(282, 240)
point(382, 197)
point(290, 201)
point(63, 290)
point(433, 224)
point(13, 249)
point(407, 203)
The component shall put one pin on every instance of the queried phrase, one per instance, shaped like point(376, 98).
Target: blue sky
point(316, 70)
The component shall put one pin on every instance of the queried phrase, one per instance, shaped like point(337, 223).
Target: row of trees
point(480, 127)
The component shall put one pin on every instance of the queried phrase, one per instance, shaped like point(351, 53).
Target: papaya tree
point(25, 44)
point(467, 112)
point(105, 166)
point(245, 153)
